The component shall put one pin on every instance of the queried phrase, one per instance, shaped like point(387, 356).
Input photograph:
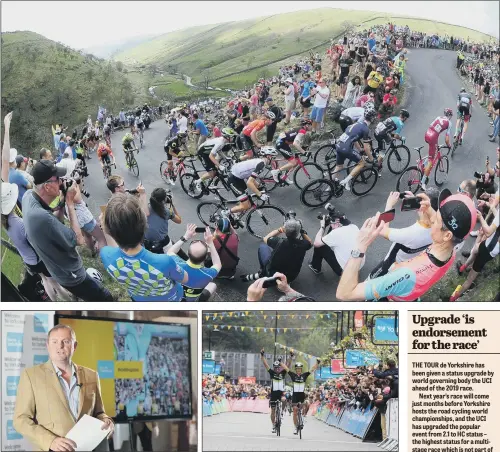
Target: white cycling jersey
point(212, 146)
point(247, 168)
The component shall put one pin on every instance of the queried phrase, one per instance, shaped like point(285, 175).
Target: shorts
point(464, 112)
point(431, 139)
point(345, 122)
point(347, 154)
point(298, 397)
point(275, 396)
point(482, 258)
point(284, 149)
point(254, 109)
point(90, 226)
point(352, 54)
point(238, 186)
point(106, 159)
point(39, 268)
point(342, 80)
point(317, 114)
point(206, 162)
point(289, 105)
point(305, 103)
point(127, 146)
point(246, 142)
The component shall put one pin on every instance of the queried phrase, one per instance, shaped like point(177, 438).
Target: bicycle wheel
point(266, 182)
point(207, 212)
point(164, 170)
point(364, 182)
point(409, 180)
point(134, 167)
point(398, 159)
point(441, 171)
point(278, 420)
point(318, 192)
point(264, 219)
point(325, 155)
point(454, 146)
point(189, 186)
point(310, 172)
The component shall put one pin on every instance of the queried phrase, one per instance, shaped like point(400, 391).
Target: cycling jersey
point(353, 133)
point(173, 144)
point(127, 139)
point(464, 100)
point(299, 381)
point(256, 125)
point(438, 125)
point(290, 135)
point(277, 380)
point(212, 146)
point(355, 113)
point(409, 280)
point(103, 149)
point(390, 125)
point(248, 168)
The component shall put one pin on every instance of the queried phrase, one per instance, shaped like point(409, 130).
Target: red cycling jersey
point(432, 135)
point(103, 148)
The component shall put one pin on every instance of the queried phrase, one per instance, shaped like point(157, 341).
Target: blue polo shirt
point(16, 177)
point(198, 278)
point(200, 125)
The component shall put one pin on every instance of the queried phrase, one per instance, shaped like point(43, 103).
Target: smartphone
point(402, 195)
point(200, 230)
point(270, 282)
point(410, 204)
point(386, 217)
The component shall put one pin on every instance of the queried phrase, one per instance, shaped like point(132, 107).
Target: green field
point(12, 264)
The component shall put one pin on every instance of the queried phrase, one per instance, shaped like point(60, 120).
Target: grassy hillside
point(234, 54)
point(45, 82)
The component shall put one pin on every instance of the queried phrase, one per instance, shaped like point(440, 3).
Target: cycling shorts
point(175, 150)
point(246, 142)
point(206, 162)
point(239, 187)
point(140, 126)
point(351, 154)
point(298, 397)
point(127, 146)
point(275, 396)
point(105, 159)
point(344, 122)
point(464, 112)
point(284, 149)
point(431, 138)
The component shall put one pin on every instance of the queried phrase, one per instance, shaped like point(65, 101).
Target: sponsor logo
point(40, 359)
point(14, 342)
point(12, 434)
point(41, 323)
point(12, 383)
point(106, 369)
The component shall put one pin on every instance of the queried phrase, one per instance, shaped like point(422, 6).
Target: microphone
point(80, 385)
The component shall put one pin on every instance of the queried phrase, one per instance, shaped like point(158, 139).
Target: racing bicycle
point(178, 169)
point(106, 169)
point(277, 417)
point(411, 178)
point(132, 164)
point(300, 420)
point(260, 219)
point(458, 138)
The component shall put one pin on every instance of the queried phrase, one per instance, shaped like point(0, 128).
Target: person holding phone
point(410, 241)
point(199, 285)
point(409, 280)
point(258, 288)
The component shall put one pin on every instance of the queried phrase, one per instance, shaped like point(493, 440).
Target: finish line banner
point(24, 336)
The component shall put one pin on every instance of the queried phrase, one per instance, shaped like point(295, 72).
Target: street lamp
point(215, 330)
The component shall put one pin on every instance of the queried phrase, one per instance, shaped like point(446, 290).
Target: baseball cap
point(458, 213)
point(289, 80)
point(379, 69)
point(20, 158)
point(269, 99)
point(13, 155)
point(9, 197)
point(44, 170)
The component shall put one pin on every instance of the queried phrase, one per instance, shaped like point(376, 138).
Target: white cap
point(13, 155)
point(289, 80)
point(9, 197)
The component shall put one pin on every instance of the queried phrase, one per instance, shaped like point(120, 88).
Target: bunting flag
point(258, 328)
point(296, 352)
point(267, 314)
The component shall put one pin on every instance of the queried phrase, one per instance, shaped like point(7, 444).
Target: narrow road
point(252, 431)
point(434, 85)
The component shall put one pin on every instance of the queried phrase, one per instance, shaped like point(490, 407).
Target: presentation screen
point(144, 367)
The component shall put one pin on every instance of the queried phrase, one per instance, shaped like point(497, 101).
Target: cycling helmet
point(370, 115)
point(305, 122)
point(276, 364)
point(463, 90)
point(228, 133)
point(299, 365)
point(268, 151)
point(270, 115)
point(448, 112)
point(404, 113)
point(93, 273)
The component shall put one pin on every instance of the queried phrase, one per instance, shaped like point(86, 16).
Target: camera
point(132, 192)
point(332, 215)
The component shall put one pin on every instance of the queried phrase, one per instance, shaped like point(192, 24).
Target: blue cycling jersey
point(355, 132)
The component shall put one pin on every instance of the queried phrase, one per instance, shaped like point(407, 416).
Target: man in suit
point(52, 397)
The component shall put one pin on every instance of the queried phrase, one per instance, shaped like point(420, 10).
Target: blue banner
point(384, 329)
point(217, 369)
point(355, 358)
point(208, 366)
point(325, 373)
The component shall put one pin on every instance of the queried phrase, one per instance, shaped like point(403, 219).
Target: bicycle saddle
point(418, 148)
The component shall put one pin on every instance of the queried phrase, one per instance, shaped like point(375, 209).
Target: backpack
point(280, 116)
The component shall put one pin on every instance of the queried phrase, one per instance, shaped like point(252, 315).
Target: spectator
point(305, 95)
point(148, 276)
point(409, 280)
point(45, 154)
point(23, 165)
point(289, 100)
point(362, 100)
point(375, 78)
point(57, 247)
point(352, 93)
point(322, 94)
point(256, 290)
point(284, 255)
point(245, 112)
point(17, 177)
point(200, 129)
point(182, 122)
point(271, 127)
point(226, 243)
point(199, 285)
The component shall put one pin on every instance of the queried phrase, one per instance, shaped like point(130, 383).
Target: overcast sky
point(70, 22)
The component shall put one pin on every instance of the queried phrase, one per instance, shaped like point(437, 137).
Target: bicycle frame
point(437, 157)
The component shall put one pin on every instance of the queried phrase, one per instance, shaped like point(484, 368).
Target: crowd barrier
point(211, 408)
point(392, 426)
